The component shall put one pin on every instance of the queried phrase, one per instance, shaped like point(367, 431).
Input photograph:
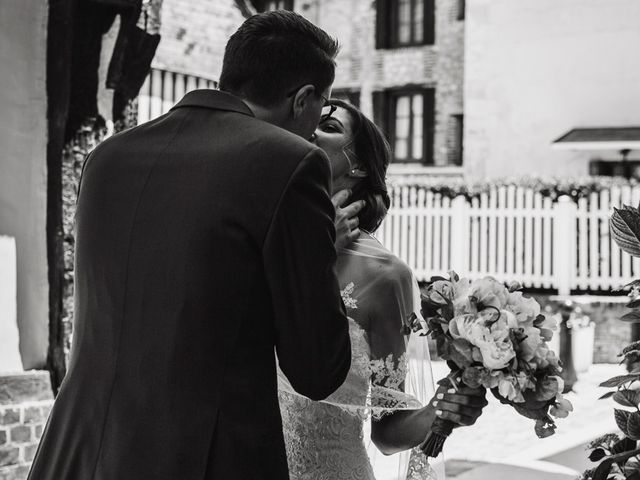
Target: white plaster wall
point(23, 137)
point(534, 69)
point(9, 338)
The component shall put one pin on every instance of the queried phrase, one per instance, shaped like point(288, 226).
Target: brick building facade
point(521, 89)
point(407, 74)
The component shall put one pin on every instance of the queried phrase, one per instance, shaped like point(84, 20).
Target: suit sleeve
point(312, 332)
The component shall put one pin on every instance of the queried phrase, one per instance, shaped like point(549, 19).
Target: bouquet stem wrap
point(432, 445)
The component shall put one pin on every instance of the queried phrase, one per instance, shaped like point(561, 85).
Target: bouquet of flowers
point(492, 336)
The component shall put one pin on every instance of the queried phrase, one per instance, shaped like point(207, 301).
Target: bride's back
point(326, 439)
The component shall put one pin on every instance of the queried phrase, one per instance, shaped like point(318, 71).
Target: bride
point(381, 409)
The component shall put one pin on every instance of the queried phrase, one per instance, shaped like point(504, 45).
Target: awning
point(609, 138)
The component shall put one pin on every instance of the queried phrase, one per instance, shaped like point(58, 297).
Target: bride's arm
point(404, 429)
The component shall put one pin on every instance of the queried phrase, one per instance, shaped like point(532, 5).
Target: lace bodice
point(326, 440)
point(323, 441)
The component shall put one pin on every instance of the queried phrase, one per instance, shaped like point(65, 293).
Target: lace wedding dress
point(329, 440)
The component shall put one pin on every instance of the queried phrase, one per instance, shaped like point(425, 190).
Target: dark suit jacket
point(204, 240)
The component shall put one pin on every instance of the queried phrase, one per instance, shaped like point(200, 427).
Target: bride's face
point(333, 134)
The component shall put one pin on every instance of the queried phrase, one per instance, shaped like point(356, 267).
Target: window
point(271, 5)
point(348, 95)
point(461, 7)
point(408, 117)
point(408, 144)
point(615, 168)
point(455, 140)
point(402, 23)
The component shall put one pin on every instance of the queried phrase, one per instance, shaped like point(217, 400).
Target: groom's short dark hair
point(273, 53)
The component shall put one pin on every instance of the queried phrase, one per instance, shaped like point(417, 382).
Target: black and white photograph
point(319, 239)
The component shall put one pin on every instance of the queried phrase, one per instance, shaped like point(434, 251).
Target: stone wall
point(612, 335)
point(25, 403)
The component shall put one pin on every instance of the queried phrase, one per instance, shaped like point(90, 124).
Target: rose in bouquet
point(493, 336)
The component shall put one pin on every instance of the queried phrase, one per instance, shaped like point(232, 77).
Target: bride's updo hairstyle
point(372, 153)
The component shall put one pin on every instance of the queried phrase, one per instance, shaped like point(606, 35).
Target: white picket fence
point(163, 89)
point(511, 233)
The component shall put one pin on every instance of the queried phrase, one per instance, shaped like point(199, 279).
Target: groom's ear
point(302, 99)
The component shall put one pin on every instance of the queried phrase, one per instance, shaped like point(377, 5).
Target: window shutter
point(428, 123)
point(354, 98)
point(381, 111)
point(460, 139)
point(429, 22)
point(382, 23)
point(461, 9)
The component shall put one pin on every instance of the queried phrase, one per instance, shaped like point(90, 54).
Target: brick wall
point(25, 402)
point(194, 34)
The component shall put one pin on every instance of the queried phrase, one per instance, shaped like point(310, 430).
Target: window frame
point(287, 5)
point(385, 103)
point(393, 104)
point(387, 26)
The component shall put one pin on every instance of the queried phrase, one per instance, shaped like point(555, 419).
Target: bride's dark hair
point(372, 153)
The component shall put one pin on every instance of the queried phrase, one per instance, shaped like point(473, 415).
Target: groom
point(205, 239)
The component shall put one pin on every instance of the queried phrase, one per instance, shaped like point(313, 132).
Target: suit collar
point(215, 99)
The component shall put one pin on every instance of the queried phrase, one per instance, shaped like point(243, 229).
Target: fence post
point(564, 243)
point(459, 236)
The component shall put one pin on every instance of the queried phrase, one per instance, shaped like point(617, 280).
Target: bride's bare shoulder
point(386, 266)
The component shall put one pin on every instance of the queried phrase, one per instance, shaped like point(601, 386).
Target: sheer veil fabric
point(390, 371)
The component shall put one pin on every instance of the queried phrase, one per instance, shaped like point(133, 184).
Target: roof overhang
point(607, 138)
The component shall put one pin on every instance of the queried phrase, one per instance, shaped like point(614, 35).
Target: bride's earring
point(355, 171)
point(358, 173)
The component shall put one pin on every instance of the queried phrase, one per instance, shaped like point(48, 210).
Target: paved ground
point(507, 441)
point(513, 472)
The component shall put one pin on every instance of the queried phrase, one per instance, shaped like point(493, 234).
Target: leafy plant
point(619, 457)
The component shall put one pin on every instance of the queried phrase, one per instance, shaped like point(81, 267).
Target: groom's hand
point(462, 406)
point(346, 218)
